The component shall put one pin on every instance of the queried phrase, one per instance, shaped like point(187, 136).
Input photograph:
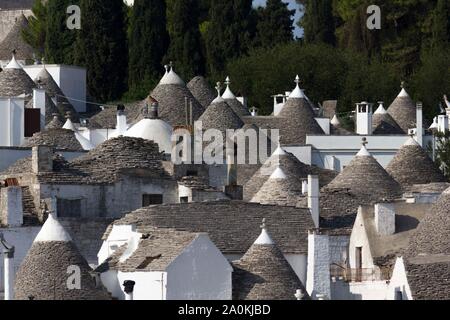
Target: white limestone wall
point(114, 200)
point(339, 249)
point(119, 235)
point(71, 80)
point(318, 272)
point(21, 238)
point(149, 285)
point(200, 272)
point(368, 290)
point(12, 123)
point(399, 282)
point(359, 239)
point(299, 263)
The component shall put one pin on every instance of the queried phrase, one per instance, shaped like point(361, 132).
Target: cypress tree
point(102, 47)
point(275, 24)
point(318, 21)
point(148, 41)
point(59, 41)
point(230, 32)
point(441, 24)
point(185, 39)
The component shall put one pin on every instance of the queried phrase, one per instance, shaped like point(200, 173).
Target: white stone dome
point(156, 130)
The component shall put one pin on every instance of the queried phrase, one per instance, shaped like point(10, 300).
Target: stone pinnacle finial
point(218, 88)
point(171, 65)
point(364, 142)
point(227, 81)
point(264, 226)
point(166, 66)
point(403, 84)
point(297, 80)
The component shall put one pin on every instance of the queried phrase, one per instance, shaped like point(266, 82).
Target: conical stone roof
point(45, 81)
point(292, 167)
point(264, 274)
point(45, 272)
point(14, 81)
point(171, 93)
point(432, 236)
point(202, 91)
point(50, 108)
point(412, 165)
point(220, 116)
point(58, 138)
point(280, 189)
point(299, 119)
point(383, 123)
point(403, 111)
point(14, 41)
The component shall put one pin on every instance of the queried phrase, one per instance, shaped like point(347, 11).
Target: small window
point(68, 208)
point(192, 173)
point(398, 295)
point(151, 199)
point(184, 199)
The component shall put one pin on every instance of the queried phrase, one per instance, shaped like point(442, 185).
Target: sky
point(292, 5)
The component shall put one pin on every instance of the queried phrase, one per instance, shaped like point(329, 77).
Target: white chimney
point(42, 159)
point(8, 264)
point(419, 121)
point(39, 103)
point(442, 123)
point(121, 126)
point(305, 187)
point(385, 219)
point(318, 281)
point(11, 206)
point(254, 111)
point(313, 198)
point(364, 118)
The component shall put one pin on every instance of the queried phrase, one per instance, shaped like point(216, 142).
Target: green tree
point(35, 34)
point(275, 24)
point(102, 47)
point(185, 38)
point(59, 40)
point(148, 42)
point(318, 21)
point(230, 32)
point(441, 25)
point(443, 152)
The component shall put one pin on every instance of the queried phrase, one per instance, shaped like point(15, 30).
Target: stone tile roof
point(202, 91)
point(362, 182)
point(15, 82)
point(155, 252)
point(384, 124)
point(291, 167)
point(50, 109)
point(432, 237)
point(232, 225)
point(103, 165)
point(45, 81)
point(220, 116)
point(237, 107)
point(107, 118)
point(55, 123)
point(171, 98)
point(338, 130)
point(385, 249)
point(61, 139)
point(14, 41)
point(199, 183)
point(43, 274)
point(403, 111)
point(299, 120)
point(429, 280)
point(412, 165)
point(282, 192)
point(264, 274)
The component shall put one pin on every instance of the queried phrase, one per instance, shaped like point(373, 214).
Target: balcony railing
point(360, 275)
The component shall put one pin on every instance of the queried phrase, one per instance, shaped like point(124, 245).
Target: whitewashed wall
point(359, 239)
point(200, 272)
point(399, 282)
point(368, 290)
